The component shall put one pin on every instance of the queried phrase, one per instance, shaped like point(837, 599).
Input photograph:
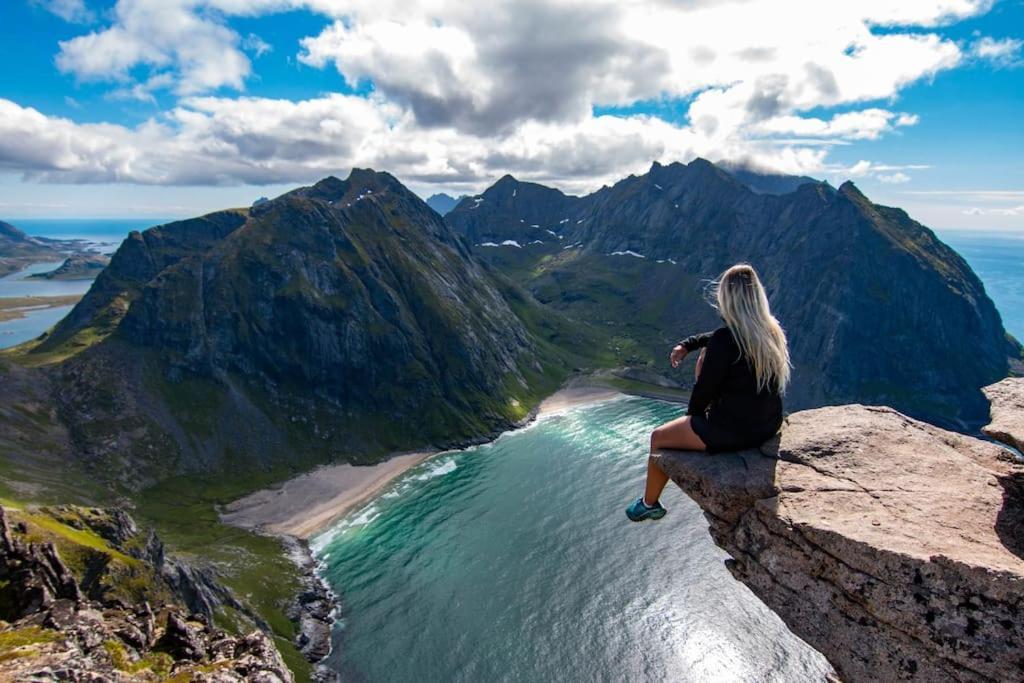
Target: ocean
point(514, 561)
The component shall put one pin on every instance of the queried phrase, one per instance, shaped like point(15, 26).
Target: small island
point(84, 266)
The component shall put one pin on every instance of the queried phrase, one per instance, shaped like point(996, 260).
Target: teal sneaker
point(638, 512)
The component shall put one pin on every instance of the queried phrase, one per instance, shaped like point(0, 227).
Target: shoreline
point(299, 508)
point(18, 307)
point(309, 503)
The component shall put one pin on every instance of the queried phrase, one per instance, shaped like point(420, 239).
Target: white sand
point(310, 502)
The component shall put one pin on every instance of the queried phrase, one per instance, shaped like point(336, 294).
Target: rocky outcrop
point(1007, 412)
point(893, 547)
point(312, 609)
point(49, 630)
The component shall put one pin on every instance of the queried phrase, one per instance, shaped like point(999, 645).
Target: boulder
point(1006, 404)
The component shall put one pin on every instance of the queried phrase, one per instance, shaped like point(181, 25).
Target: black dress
point(727, 411)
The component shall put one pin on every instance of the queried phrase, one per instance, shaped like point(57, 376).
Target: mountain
point(300, 331)
point(442, 203)
point(18, 250)
point(767, 183)
point(856, 285)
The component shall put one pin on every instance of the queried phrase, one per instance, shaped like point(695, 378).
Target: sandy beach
point(310, 502)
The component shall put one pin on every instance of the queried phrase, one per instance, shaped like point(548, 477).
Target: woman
point(742, 373)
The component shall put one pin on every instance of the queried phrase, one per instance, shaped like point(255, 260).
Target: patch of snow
point(488, 244)
point(521, 220)
point(627, 253)
point(534, 225)
point(514, 190)
point(564, 220)
point(537, 242)
point(511, 243)
point(552, 233)
point(657, 186)
point(672, 261)
point(579, 221)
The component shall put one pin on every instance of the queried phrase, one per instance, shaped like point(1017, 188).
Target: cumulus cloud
point(463, 92)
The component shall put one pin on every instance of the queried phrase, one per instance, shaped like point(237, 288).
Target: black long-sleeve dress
point(727, 411)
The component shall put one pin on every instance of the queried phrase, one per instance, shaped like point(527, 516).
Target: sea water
point(514, 561)
point(102, 235)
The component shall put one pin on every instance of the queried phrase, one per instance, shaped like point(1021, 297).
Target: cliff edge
point(892, 546)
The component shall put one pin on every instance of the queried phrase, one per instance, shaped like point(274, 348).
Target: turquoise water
point(998, 259)
point(514, 561)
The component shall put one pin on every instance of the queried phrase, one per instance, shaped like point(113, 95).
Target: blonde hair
point(741, 301)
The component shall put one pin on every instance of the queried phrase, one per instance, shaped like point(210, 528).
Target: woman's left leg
point(677, 434)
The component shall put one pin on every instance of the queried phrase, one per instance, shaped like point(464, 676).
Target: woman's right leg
point(677, 434)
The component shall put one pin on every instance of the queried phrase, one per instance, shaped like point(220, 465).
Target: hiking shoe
point(638, 512)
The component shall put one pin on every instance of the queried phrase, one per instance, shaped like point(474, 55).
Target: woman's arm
point(697, 341)
point(692, 343)
point(717, 359)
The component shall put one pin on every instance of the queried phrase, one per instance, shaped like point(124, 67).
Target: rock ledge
point(893, 547)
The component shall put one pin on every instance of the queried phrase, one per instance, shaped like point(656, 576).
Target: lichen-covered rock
point(1006, 401)
point(50, 629)
point(892, 546)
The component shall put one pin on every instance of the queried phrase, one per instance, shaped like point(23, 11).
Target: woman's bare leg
point(677, 434)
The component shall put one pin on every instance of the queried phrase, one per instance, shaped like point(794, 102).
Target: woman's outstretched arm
point(696, 341)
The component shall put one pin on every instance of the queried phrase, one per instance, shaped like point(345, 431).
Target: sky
point(171, 108)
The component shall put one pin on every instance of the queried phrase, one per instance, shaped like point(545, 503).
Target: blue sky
point(169, 108)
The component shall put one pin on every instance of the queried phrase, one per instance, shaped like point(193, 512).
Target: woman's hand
point(678, 354)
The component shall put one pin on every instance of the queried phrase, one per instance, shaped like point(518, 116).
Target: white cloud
point(466, 91)
point(894, 178)
point(73, 11)
point(256, 45)
point(1004, 52)
point(1008, 211)
point(171, 36)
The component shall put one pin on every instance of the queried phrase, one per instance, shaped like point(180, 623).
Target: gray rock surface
point(1007, 412)
point(892, 546)
point(50, 630)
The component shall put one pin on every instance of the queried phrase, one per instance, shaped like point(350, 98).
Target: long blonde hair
point(741, 301)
